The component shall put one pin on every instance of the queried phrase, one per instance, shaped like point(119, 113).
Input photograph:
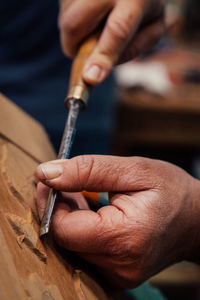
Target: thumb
point(97, 173)
point(120, 27)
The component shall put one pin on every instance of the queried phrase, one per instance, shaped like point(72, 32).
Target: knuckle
point(84, 165)
point(40, 186)
point(142, 165)
point(67, 24)
point(69, 32)
point(161, 29)
point(118, 28)
point(157, 33)
point(58, 231)
point(66, 49)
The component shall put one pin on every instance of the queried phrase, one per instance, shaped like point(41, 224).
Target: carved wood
point(29, 268)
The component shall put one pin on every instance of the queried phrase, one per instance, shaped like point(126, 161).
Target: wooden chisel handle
point(78, 89)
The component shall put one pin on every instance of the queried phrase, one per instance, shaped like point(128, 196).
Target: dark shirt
point(34, 73)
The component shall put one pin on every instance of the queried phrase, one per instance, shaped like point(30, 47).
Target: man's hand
point(152, 220)
point(131, 26)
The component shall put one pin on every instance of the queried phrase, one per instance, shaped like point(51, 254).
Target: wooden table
point(146, 119)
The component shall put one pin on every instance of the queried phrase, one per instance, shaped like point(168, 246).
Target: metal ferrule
point(78, 92)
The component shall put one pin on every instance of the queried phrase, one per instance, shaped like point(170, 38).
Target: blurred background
point(158, 115)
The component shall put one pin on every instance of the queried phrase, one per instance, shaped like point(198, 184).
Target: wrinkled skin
point(131, 27)
point(152, 220)
point(153, 217)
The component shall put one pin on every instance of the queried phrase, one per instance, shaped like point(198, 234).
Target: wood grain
point(24, 131)
point(31, 269)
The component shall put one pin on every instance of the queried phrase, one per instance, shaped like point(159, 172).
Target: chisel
point(76, 100)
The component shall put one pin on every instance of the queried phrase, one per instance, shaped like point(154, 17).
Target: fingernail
point(51, 171)
point(95, 73)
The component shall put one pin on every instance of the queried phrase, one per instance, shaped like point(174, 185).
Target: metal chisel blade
point(64, 152)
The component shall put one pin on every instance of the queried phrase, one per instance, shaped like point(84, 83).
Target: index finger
point(120, 27)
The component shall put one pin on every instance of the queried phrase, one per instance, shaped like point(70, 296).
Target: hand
point(67, 201)
point(152, 220)
point(131, 27)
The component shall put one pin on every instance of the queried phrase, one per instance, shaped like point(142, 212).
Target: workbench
point(147, 119)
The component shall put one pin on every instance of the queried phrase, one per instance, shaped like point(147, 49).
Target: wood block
point(31, 269)
point(24, 131)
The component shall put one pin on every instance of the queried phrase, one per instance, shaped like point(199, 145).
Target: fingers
point(78, 19)
point(85, 231)
point(143, 40)
point(81, 17)
point(120, 27)
point(98, 173)
point(125, 23)
point(68, 201)
point(73, 225)
point(77, 230)
point(42, 195)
